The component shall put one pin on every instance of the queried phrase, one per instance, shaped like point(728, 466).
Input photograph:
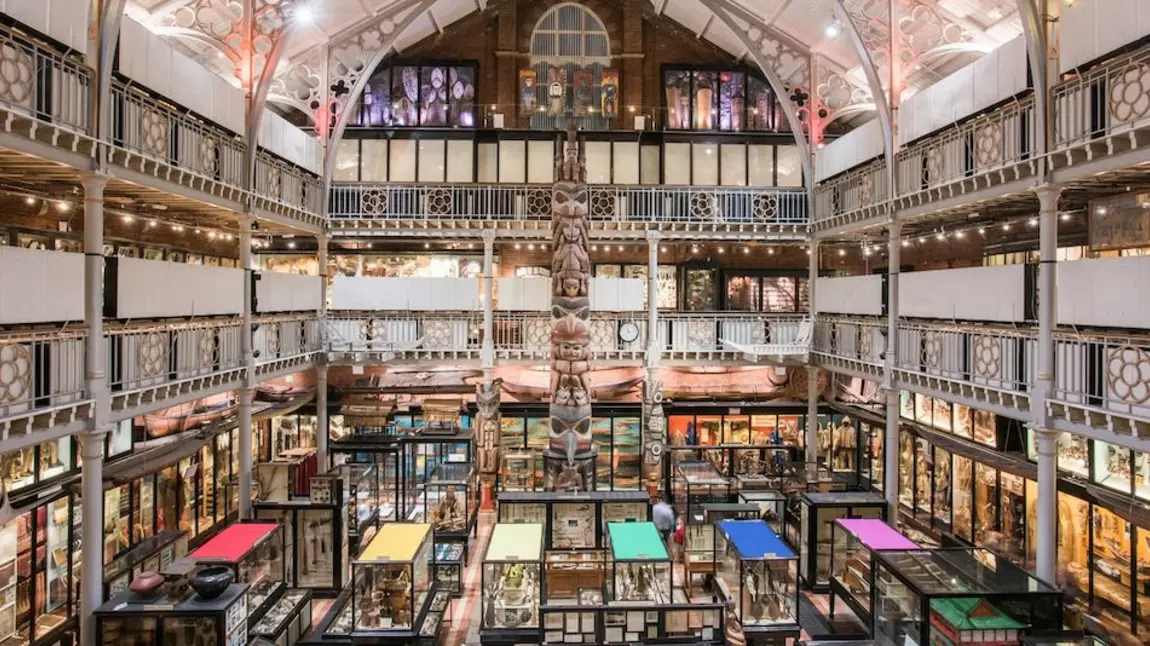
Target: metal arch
point(361, 78)
point(107, 16)
point(257, 103)
point(776, 84)
point(882, 101)
point(1036, 43)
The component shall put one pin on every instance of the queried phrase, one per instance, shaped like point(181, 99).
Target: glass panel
point(922, 476)
point(207, 496)
point(744, 294)
point(433, 97)
point(55, 457)
point(700, 285)
point(1074, 537)
point(627, 453)
point(404, 96)
point(189, 500)
point(144, 491)
point(906, 470)
point(985, 503)
point(761, 100)
point(19, 468)
point(877, 457)
point(511, 432)
point(167, 499)
point(779, 294)
point(601, 434)
point(1142, 478)
point(705, 103)
point(461, 96)
point(55, 610)
point(117, 517)
point(732, 100)
point(737, 429)
point(1112, 563)
point(1143, 596)
point(962, 490)
point(1031, 524)
point(1112, 466)
point(1012, 514)
point(985, 428)
point(942, 495)
point(538, 438)
point(677, 86)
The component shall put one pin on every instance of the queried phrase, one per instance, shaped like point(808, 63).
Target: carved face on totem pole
point(487, 403)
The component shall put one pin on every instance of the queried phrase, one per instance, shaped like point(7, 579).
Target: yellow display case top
point(395, 542)
point(515, 542)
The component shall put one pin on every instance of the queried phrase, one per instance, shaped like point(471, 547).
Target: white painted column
point(812, 439)
point(246, 394)
point(653, 350)
point(323, 433)
point(890, 443)
point(487, 350)
point(96, 384)
point(1047, 548)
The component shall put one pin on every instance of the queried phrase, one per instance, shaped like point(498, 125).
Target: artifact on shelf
point(449, 513)
point(146, 584)
point(210, 582)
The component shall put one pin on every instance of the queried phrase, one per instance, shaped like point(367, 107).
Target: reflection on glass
point(700, 290)
point(942, 495)
point(963, 487)
point(1012, 514)
point(922, 476)
point(985, 500)
point(1112, 562)
point(1142, 475)
point(1112, 466)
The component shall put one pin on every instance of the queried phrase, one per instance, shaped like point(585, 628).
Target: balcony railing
point(689, 205)
point(851, 192)
point(285, 337)
point(41, 370)
point(994, 357)
point(287, 184)
point(1106, 372)
point(148, 355)
point(43, 83)
point(1105, 100)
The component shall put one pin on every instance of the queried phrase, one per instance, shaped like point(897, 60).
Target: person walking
point(664, 518)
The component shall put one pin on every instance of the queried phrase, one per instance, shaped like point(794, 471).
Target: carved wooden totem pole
point(490, 453)
point(655, 432)
point(569, 461)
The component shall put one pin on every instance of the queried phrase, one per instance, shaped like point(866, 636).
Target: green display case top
point(636, 542)
point(973, 613)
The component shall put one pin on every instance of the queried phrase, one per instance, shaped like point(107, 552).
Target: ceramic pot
point(146, 583)
point(210, 582)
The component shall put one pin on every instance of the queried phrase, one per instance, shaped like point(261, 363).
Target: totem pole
point(569, 460)
point(655, 432)
point(490, 455)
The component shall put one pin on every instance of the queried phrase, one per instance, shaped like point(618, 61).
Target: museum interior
point(548, 322)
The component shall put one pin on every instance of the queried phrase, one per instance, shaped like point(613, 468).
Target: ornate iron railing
point(152, 354)
point(43, 83)
point(40, 370)
point(287, 184)
point(698, 204)
point(863, 187)
point(1107, 99)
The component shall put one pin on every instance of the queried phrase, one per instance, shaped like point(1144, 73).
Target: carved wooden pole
point(569, 461)
point(490, 452)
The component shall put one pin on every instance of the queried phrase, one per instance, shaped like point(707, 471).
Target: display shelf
point(129, 620)
point(640, 564)
point(391, 580)
point(152, 554)
point(287, 621)
point(447, 567)
point(809, 528)
point(855, 540)
point(255, 552)
point(512, 584)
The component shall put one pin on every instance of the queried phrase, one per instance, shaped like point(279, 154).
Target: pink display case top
point(876, 534)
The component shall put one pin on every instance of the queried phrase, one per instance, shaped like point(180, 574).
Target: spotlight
point(369, 245)
point(941, 236)
point(842, 252)
point(304, 14)
point(770, 251)
point(960, 234)
point(722, 250)
point(746, 250)
point(922, 240)
point(833, 29)
point(531, 247)
point(1033, 222)
point(906, 243)
point(151, 224)
point(30, 200)
point(620, 247)
point(63, 207)
point(291, 245)
point(594, 247)
point(427, 245)
point(127, 218)
point(1065, 217)
point(1006, 227)
point(981, 231)
point(694, 249)
point(662, 249)
point(177, 228)
point(518, 246)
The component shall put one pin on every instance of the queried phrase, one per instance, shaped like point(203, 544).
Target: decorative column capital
point(94, 184)
point(489, 236)
point(653, 236)
point(1048, 196)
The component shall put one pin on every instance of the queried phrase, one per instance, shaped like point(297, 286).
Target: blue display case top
point(754, 540)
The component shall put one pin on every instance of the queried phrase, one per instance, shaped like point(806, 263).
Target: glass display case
point(447, 567)
point(314, 539)
point(255, 552)
point(518, 471)
point(698, 550)
point(360, 491)
point(570, 575)
point(512, 583)
point(640, 564)
point(759, 573)
point(809, 527)
point(129, 620)
point(698, 482)
point(385, 486)
point(335, 627)
point(852, 577)
point(449, 498)
point(573, 520)
point(287, 621)
point(953, 596)
point(772, 506)
point(150, 555)
point(391, 579)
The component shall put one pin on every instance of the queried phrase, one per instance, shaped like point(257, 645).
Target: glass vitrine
point(518, 473)
point(128, 620)
point(151, 554)
point(317, 552)
point(287, 621)
point(698, 482)
point(772, 506)
point(699, 550)
point(641, 566)
point(512, 579)
point(956, 596)
point(815, 514)
point(449, 498)
point(391, 579)
point(255, 552)
point(852, 577)
point(361, 492)
point(759, 572)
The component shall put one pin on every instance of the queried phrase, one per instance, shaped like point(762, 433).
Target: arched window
point(570, 51)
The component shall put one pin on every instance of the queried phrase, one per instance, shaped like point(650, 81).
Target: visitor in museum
point(664, 518)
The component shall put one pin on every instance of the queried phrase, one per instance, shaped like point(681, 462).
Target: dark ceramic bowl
point(210, 582)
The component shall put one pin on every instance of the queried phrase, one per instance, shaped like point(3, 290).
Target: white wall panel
point(971, 294)
point(64, 20)
point(374, 157)
point(704, 165)
point(283, 138)
point(346, 161)
point(761, 164)
point(650, 162)
point(1106, 292)
point(857, 146)
point(460, 161)
point(540, 162)
point(513, 162)
point(860, 295)
point(158, 289)
point(1099, 27)
point(402, 160)
point(734, 158)
point(523, 294)
point(626, 162)
point(40, 286)
point(598, 162)
point(432, 163)
point(402, 294)
point(283, 292)
point(616, 294)
point(488, 163)
point(677, 166)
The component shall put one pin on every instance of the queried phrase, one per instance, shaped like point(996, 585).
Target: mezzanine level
point(160, 158)
point(1101, 380)
point(1100, 140)
point(149, 366)
point(523, 211)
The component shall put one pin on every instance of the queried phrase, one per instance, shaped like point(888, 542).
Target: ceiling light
point(29, 200)
point(1100, 210)
point(770, 251)
point(303, 13)
point(960, 234)
point(177, 227)
point(291, 245)
point(866, 251)
point(151, 223)
point(198, 231)
point(63, 207)
point(1065, 217)
point(694, 249)
point(746, 250)
point(531, 247)
point(921, 240)
point(808, 252)
point(620, 247)
point(518, 246)
point(427, 245)
point(1006, 227)
point(663, 249)
point(906, 243)
point(833, 29)
point(1033, 222)
point(211, 235)
point(722, 250)
point(842, 252)
point(941, 235)
point(127, 218)
point(594, 247)
point(981, 231)
point(994, 14)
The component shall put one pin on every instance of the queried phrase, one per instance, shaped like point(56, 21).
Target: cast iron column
point(569, 461)
point(322, 432)
point(1047, 548)
point(92, 438)
point(812, 439)
point(890, 360)
point(245, 393)
point(487, 351)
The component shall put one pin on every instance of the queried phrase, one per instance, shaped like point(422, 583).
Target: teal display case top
point(636, 542)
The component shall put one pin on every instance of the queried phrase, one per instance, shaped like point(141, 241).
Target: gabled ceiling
point(938, 37)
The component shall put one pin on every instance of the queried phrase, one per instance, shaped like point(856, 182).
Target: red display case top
point(234, 542)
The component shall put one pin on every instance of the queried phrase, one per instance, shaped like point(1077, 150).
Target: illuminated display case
point(772, 506)
point(697, 483)
point(759, 572)
point(447, 568)
point(957, 596)
point(129, 620)
point(361, 492)
point(287, 621)
point(391, 580)
point(153, 554)
point(512, 584)
point(809, 527)
point(314, 534)
point(852, 574)
point(573, 520)
point(640, 564)
point(255, 551)
point(450, 501)
point(336, 627)
point(384, 488)
point(518, 472)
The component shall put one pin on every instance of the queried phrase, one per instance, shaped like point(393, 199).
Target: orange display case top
point(234, 542)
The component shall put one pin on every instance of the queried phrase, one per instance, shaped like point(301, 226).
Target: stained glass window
point(418, 95)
